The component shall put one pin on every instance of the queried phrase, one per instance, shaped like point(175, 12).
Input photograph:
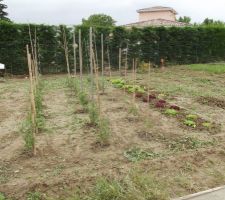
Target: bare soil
point(69, 158)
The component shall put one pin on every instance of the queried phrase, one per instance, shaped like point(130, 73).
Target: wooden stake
point(74, 53)
point(120, 52)
point(149, 70)
point(97, 82)
point(66, 51)
point(109, 61)
point(91, 62)
point(133, 79)
point(33, 107)
point(81, 61)
point(102, 46)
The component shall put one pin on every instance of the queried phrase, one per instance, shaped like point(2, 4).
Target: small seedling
point(207, 124)
point(171, 112)
point(190, 123)
point(191, 117)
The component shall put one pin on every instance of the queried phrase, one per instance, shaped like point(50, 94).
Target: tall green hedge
point(176, 45)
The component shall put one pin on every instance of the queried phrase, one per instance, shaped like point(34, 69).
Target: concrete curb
point(200, 193)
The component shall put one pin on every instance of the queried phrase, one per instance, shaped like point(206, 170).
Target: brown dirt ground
point(68, 157)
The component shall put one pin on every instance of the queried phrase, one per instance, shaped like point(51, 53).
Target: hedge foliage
point(176, 45)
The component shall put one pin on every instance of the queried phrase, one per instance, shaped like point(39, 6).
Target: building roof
point(156, 9)
point(156, 23)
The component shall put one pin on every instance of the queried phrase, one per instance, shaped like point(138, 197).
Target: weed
point(171, 112)
point(83, 98)
point(34, 196)
point(137, 154)
point(133, 110)
point(26, 130)
point(93, 114)
point(189, 143)
point(2, 196)
point(190, 123)
point(104, 131)
point(133, 187)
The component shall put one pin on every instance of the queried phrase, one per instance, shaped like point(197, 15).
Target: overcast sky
point(123, 11)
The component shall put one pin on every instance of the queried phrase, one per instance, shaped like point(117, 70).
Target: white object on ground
point(2, 66)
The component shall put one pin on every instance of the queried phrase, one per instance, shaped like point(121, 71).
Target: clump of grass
point(171, 112)
point(134, 187)
point(2, 196)
point(34, 196)
point(103, 132)
point(137, 154)
point(190, 123)
point(27, 132)
point(189, 143)
point(83, 98)
point(93, 114)
point(133, 110)
point(211, 68)
point(40, 119)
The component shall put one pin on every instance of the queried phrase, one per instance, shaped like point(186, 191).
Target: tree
point(3, 14)
point(185, 19)
point(99, 20)
point(208, 21)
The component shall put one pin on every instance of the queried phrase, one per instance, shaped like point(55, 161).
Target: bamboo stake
point(33, 107)
point(149, 70)
point(120, 52)
point(91, 61)
point(126, 62)
point(102, 46)
point(109, 61)
point(96, 82)
point(81, 61)
point(74, 53)
point(134, 60)
point(36, 58)
point(66, 51)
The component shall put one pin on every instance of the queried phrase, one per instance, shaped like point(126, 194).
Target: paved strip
point(212, 194)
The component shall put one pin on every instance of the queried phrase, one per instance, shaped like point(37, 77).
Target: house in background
point(157, 16)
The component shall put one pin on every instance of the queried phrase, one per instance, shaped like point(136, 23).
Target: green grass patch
point(211, 68)
point(137, 154)
point(189, 143)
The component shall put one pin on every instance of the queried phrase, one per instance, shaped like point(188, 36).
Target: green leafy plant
point(207, 124)
point(192, 117)
point(171, 112)
point(137, 154)
point(190, 123)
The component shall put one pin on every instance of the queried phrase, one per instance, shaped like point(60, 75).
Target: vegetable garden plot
point(187, 120)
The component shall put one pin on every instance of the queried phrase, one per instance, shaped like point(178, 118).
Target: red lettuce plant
point(174, 107)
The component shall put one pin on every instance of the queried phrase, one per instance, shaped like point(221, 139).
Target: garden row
point(186, 119)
